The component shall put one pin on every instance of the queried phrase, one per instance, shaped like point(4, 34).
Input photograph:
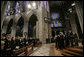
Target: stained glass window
point(60, 24)
point(51, 24)
point(54, 15)
point(7, 12)
point(55, 24)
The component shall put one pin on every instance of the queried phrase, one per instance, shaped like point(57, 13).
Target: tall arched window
point(56, 22)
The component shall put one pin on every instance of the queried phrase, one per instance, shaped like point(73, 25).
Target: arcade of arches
point(41, 19)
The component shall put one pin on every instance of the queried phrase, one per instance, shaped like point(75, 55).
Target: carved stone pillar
point(79, 11)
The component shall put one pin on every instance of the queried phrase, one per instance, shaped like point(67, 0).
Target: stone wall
point(43, 29)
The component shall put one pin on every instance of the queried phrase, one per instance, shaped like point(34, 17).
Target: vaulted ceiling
point(59, 5)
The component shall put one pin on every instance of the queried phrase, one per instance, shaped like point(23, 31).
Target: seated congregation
point(18, 46)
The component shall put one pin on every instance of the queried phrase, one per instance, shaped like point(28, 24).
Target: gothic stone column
point(14, 27)
point(40, 21)
point(79, 10)
point(37, 29)
point(67, 25)
point(73, 24)
point(4, 29)
point(25, 29)
point(49, 30)
point(3, 9)
point(13, 32)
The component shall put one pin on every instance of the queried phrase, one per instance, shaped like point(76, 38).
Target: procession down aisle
point(45, 50)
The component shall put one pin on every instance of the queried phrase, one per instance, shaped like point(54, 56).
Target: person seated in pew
point(8, 45)
point(34, 41)
point(22, 42)
point(20, 39)
point(25, 41)
point(13, 43)
point(30, 40)
point(2, 47)
point(17, 43)
point(37, 39)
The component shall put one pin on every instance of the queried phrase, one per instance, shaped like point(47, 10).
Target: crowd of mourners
point(14, 43)
point(62, 40)
point(65, 39)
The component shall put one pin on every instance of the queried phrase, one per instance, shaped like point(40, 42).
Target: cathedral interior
point(41, 28)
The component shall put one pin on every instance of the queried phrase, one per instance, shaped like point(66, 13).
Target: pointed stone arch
point(6, 21)
point(20, 26)
point(32, 21)
point(16, 19)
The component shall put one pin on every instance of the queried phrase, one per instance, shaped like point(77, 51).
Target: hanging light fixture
point(29, 6)
point(71, 11)
point(73, 4)
point(34, 4)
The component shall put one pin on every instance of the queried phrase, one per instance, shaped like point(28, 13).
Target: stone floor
point(42, 51)
point(54, 51)
point(45, 50)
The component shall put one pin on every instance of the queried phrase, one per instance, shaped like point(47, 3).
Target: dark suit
point(34, 41)
point(66, 41)
point(13, 44)
point(17, 43)
point(25, 42)
point(30, 41)
point(61, 41)
point(71, 38)
point(7, 47)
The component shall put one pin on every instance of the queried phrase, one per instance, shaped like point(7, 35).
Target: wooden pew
point(38, 44)
point(22, 54)
point(23, 51)
point(19, 52)
point(29, 49)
